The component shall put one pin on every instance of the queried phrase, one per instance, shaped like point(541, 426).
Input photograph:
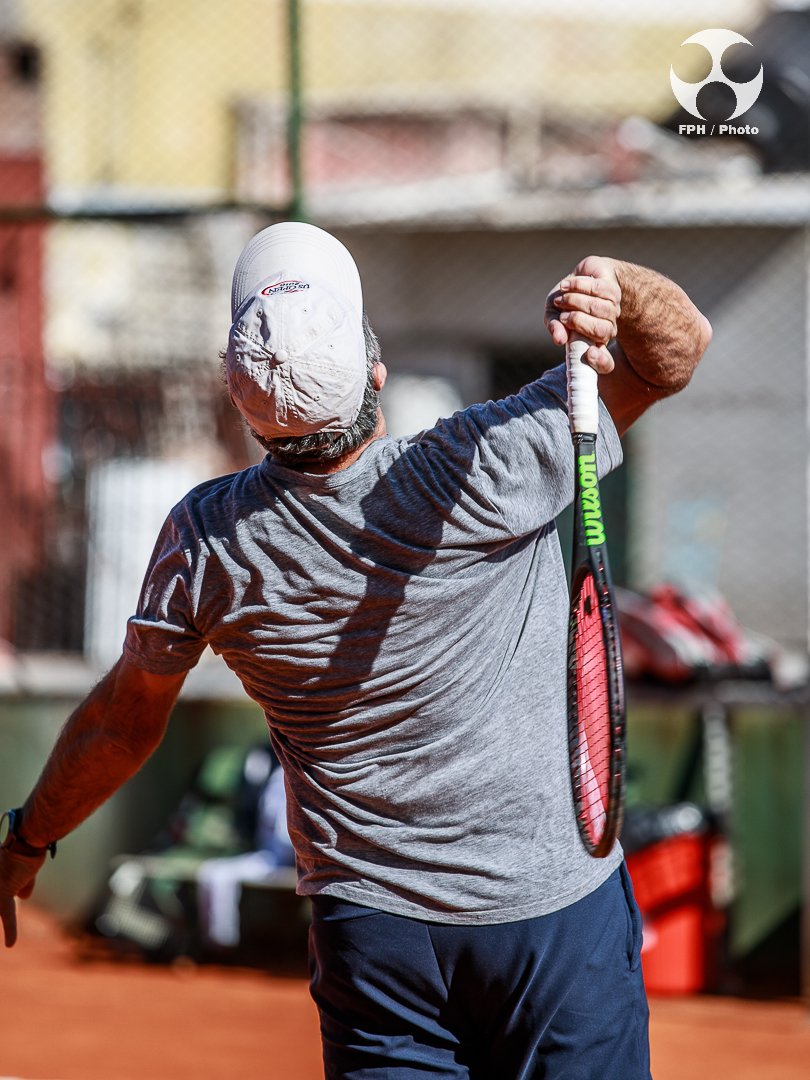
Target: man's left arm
point(647, 335)
point(103, 744)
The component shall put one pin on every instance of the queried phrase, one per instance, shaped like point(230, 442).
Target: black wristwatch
point(13, 842)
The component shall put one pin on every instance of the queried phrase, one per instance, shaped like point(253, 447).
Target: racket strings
point(592, 731)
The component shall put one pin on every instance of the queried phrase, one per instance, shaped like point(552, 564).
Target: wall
point(24, 391)
point(140, 93)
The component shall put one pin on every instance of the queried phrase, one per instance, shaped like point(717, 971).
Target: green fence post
point(295, 115)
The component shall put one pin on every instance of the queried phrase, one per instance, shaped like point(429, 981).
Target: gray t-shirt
point(402, 623)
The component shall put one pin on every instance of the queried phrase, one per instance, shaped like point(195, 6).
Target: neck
point(324, 468)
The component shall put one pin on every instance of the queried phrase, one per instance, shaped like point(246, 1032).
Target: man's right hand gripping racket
point(596, 709)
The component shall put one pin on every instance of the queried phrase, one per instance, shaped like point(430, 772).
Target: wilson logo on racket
point(589, 500)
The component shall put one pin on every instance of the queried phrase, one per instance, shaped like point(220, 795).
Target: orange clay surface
point(65, 1015)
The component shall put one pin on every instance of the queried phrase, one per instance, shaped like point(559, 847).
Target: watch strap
point(16, 844)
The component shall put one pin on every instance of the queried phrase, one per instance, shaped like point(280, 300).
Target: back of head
point(296, 362)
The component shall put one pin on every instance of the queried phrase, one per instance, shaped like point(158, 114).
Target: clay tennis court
point(73, 1015)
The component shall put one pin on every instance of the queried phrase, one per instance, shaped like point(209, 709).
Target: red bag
point(672, 637)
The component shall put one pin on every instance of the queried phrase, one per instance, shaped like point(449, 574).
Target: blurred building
point(141, 96)
point(468, 158)
point(26, 400)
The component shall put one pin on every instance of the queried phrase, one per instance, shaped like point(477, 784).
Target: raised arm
point(648, 335)
point(105, 741)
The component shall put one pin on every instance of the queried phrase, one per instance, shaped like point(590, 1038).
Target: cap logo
point(285, 287)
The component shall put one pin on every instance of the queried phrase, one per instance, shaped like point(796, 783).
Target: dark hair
point(331, 445)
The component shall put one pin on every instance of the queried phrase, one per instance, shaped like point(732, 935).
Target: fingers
point(584, 305)
point(600, 359)
point(605, 287)
point(26, 890)
point(595, 326)
point(8, 915)
point(562, 324)
point(559, 335)
point(18, 875)
point(589, 307)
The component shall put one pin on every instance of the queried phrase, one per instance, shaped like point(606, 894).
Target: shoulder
point(216, 495)
point(542, 401)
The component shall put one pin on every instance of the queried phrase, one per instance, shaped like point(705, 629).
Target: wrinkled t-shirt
point(402, 623)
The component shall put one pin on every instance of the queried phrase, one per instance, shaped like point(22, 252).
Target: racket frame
point(589, 556)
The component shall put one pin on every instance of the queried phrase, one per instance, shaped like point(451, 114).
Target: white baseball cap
point(296, 357)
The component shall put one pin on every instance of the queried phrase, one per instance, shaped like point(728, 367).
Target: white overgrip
point(583, 391)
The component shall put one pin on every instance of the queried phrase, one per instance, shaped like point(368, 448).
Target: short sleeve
point(523, 464)
point(162, 636)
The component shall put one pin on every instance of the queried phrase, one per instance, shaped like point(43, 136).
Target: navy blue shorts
point(559, 997)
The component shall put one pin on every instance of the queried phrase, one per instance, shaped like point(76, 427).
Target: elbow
point(702, 338)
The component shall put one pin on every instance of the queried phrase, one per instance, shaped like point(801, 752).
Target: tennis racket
point(596, 711)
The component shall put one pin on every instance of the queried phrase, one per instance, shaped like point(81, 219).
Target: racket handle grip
point(583, 390)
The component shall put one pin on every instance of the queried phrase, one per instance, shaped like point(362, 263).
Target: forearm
point(104, 742)
point(660, 332)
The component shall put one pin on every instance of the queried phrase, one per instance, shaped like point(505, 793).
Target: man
point(398, 608)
